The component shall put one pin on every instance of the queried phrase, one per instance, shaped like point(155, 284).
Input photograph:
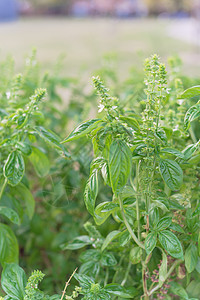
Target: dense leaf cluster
point(140, 157)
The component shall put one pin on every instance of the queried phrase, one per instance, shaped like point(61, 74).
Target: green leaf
point(91, 254)
point(14, 168)
point(120, 291)
point(164, 223)
point(192, 114)
point(194, 160)
point(173, 152)
point(103, 211)
point(199, 244)
point(171, 243)
point(131, 122)
point(127, 192)
point(91, 191)
point(193, 288)
point(110, 237)
point(150, 242)
point(22, 121)
point(51, 137)
point(13, 281)
point(197, 268)
point(26, 197)
point(107, 143)
point(120, 161)
point(90, 268)
point(105, 173)
point(97, 164)
point(55, 297)
point(176, 227)
point(25, 148)
point(108, 260)
point(154, 217)
point(178, 290)
point(135, 255)
point(40, 162)
point(159, 204)
point(172, 173)
point(174, 204)
point(124, 238)
point(84, 281)
point(9, 251)
point(192, 220)
point(108, 207)
point(77, 243)
point(191, 92)
point(161, 136)
point(48, 135)
point(190, 150)
point(191, 258)
point(163, 269)
point(82, 130)
point(10, 214)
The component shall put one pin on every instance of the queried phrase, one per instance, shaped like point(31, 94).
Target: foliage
point(142, 157)
point(141, 190)
point(29, 177)
point(23, 288)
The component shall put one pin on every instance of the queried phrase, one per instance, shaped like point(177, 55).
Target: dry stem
point(67, 283)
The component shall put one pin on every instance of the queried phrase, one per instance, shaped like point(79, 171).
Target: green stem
point(134, 237)
point(117, 271)
point(137, 200)
point(159, 109)
point(158, 286)
point(106, 277)
point(144, 281)
point(97, 274)
point(3, 187)
point(126, 274)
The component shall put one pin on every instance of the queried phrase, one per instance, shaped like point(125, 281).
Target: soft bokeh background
point(85, 30)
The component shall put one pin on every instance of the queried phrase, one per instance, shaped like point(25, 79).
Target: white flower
point(8, 95)
point(101, 107)
point(180, 101)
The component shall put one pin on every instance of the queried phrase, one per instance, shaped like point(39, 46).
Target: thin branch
point(144, 281)
point(67, 283)
point(126, 274)
point(3, 187)
point(140, 244)
point(158, 286)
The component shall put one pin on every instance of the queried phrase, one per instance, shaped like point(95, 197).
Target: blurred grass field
point(85, 41)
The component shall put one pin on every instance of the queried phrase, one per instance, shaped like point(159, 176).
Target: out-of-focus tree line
point(88, 7)
point(45, 6)
point(170, 6)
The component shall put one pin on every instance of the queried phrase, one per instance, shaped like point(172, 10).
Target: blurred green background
point(85, 41)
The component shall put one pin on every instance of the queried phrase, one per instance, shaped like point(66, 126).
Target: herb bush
point(150, 162)
point(142, 191)
point(48, 177)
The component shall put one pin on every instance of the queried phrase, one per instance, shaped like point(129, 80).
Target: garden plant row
point(135, 167)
